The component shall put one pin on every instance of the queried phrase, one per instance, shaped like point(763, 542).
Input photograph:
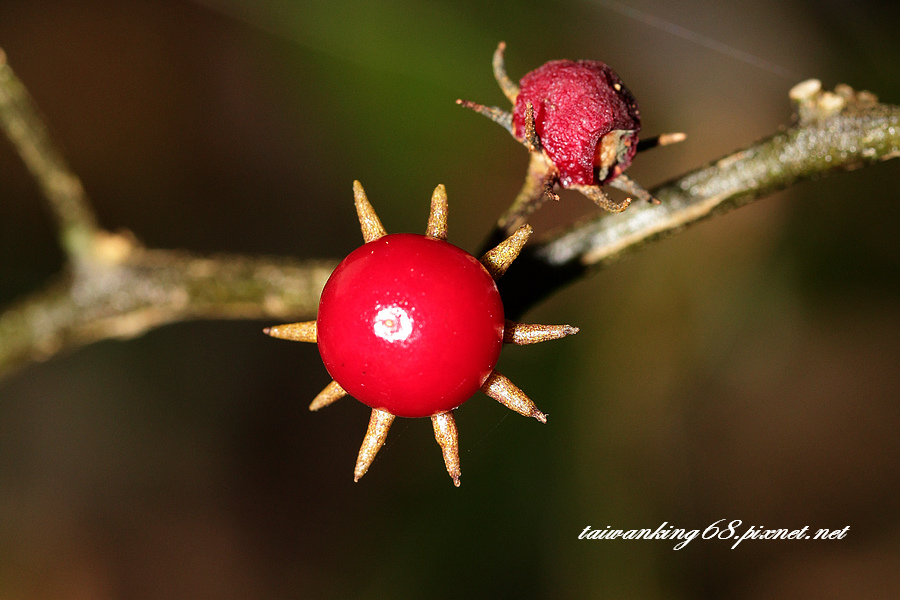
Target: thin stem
point(538, 187)
point(25, 128)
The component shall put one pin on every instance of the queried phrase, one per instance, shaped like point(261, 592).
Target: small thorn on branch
point(297, 332)
point(437, 215)
point(504, 391)
point(663, 139)
point(521, 334)
point(379, 425)
point(495, 114)
point(601, 199)
point(332, 393)
point(507, 85)
point(447, 436)
point(498, 259)
point(371, 226)
point(630, 186)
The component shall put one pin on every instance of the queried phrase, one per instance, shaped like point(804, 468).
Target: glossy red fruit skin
point(410, 324)
point(576, 103)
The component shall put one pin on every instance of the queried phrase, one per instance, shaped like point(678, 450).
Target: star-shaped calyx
point(412, 326)
point(580, 125)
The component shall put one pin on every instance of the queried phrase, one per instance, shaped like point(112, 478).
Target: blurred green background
point(748, 368)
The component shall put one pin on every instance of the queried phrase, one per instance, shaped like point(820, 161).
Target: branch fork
point(114, 287)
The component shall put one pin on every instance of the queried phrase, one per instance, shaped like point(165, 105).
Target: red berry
point(585, 117)
point(413, 326)
point(410, 324)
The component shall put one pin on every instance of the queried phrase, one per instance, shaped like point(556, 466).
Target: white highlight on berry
point(393, 324)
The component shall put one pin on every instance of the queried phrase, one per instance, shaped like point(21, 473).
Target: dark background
point(748, 368)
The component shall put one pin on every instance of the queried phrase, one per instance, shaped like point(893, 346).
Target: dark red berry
point(410, 324)
point(586, 119)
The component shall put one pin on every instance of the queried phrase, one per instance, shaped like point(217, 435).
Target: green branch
point(22, 123)
point(150, 288)
point(115, 288)
point(832, 131)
